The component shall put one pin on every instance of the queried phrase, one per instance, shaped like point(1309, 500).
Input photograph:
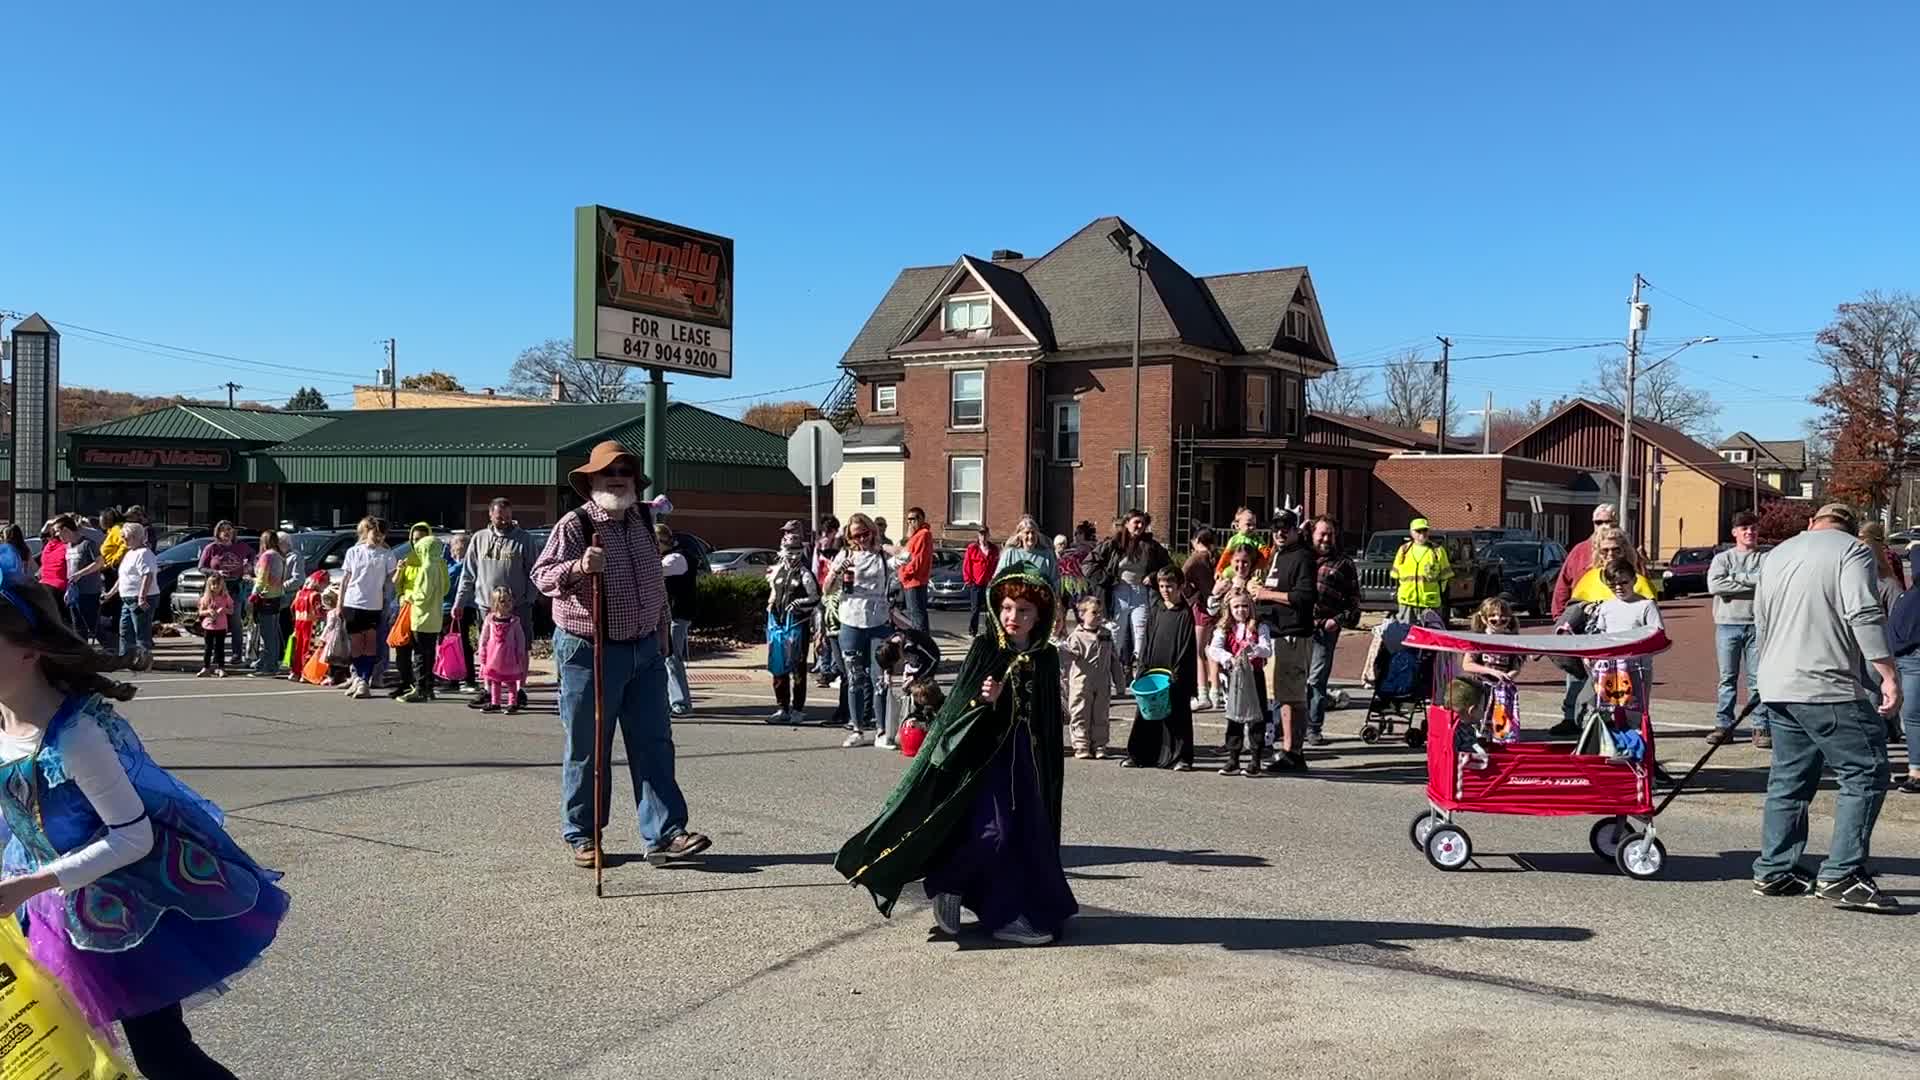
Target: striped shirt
point(635, 590)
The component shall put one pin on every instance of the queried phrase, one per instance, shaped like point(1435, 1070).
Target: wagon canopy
point(1617, 646)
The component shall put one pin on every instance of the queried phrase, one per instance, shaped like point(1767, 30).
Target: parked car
point(318, 550)
point(1686, 572)
point(1486, 536)
point(749, 561)
point(1527, 572)
point(1474, 579)
point(947, 588)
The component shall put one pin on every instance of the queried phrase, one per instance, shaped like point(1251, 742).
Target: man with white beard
point(610, 540)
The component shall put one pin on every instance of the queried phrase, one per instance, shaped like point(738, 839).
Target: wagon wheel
point(1605, 837)
point(1641, 857)
point(1370, 733)
point(1448, 847)
point(1422, 827)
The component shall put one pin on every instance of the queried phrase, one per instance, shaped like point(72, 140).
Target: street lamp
point(1634, 371)
point(1137, 250)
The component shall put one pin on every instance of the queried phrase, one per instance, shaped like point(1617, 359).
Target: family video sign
point(651, 294)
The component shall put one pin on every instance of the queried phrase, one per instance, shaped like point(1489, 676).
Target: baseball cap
point(1745, 518)
point(1840, 513)
point(1419, 524)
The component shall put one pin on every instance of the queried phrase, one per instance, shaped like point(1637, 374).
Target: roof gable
point(1670, 441)
point(909, 290)
point(209, 423)
point(1088, 288)
point(1007, 289)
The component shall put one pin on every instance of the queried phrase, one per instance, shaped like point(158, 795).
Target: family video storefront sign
point(651, 294)
point(150, 459)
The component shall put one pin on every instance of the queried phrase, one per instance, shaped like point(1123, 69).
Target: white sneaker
point(363, 690)
point(777, 716)
point(352, 687)
point(855, 738)
point(1199, 703)
point(946, 913)
point(1021, 932)
point(885, 743)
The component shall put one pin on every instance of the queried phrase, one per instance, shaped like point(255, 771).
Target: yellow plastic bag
point(43, 1035)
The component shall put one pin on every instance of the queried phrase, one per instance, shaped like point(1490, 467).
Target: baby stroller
point(1402, 688)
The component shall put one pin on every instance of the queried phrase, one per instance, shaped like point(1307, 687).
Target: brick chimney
point(559, 391)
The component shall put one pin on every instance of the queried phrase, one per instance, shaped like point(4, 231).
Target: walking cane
point(599, 736)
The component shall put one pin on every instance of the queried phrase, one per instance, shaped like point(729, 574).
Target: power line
point(1723, 318)
point(183, 352)
point(767, 393)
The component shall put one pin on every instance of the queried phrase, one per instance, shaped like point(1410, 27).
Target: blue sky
point(294, 187)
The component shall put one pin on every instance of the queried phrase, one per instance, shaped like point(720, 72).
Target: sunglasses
point(616, 470)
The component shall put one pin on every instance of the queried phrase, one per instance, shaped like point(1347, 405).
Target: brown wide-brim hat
point(604, 455)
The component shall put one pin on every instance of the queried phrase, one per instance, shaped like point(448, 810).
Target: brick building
point(1468, 491)
point(1007, 383)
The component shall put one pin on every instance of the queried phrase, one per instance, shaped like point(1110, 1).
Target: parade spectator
point(1628, 610)
point(1028, 546)
point(681, 587)
point(1423, 570)
point(915, 559)
point(53, 564)
point(606, 551)
point(1610, 546)
point(1336, 604)
point(425, 597)
point(1199, 573)
point(498, 556)
point(1072, 565)
point(366, 577)
point(503, 652)
point(1166, 645)
point(793, 595)
point(231, 559)
point(976, 570)
point(1818, 616)
point(1126, 565)
point(1242, 645)
point(16, 538)
point(216, 612)
point(1731, 578)
point(1578, 562)
point(862, 574)
point(139, 587)
point(1874, 535)
point(86, 575)
point(113, 546)
point(296, 573)
point(457, 626)
point(826, 548)
point(1092, 670)
point(1244, 521)
point(269, 596)
point(1288, 596)
point(881, 541)
point(1903, 638)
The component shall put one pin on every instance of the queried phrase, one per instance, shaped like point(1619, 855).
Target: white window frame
point(1058, 411)
point(1262, 400)
point(1737, 457)
point(1806, 489)
point(886, 397)
point(1123, 492)
point(969, 301)
point(953, 399)
point(955, 491)
point(869, 491)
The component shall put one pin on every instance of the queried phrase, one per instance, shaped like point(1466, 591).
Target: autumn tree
point(431, 380)
point(1870, 404)
point(1782, 519)
point(306, 399)
point(589, 382)
point(1411, 393)
point(1342, 390)
point(779, 417)
point(1662, 397)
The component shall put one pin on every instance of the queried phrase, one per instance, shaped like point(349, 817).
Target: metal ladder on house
point(1185, 485)
point(841, 406)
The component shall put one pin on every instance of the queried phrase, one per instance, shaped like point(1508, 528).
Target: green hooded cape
point(426, 581)
point(935, 795)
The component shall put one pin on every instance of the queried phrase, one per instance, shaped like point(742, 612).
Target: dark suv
point(1474, 579)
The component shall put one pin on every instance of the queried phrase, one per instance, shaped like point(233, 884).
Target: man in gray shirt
point(501, 554)
point(1731, 579)
point(1818, 616)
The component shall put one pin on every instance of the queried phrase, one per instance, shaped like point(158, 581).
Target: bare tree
point(1662, 397)
point(1411, 393)
point(1510, 424)
point(583, 381)
point(1342, 390)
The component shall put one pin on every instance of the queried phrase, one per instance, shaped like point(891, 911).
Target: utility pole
point(1636, 325)
point(1486, 426)
point(1440, 426)
point(231, 387)
point(393, 374)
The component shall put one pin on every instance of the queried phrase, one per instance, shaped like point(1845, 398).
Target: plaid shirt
point(635, 590)
point(1338, 588)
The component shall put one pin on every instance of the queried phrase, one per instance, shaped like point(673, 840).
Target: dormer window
point(1294, 327)
point(1737, 457)
point(965, 313)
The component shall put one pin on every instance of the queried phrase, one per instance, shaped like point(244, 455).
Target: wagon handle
point(1681, 784)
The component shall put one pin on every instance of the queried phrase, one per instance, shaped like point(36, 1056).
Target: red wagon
point(1540, 779)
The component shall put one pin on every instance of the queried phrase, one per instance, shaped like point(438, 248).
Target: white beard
point(614, 505)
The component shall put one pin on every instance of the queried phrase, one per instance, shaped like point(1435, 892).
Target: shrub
point(736, 603)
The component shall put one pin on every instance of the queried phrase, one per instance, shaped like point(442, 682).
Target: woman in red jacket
point(976, 569)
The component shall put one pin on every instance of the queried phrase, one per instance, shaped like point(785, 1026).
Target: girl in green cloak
point(977, 814)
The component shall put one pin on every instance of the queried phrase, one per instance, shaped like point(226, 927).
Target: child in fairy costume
point(129, 889)
point(977, 814)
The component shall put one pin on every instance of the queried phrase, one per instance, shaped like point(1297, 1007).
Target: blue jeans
point(1570, 704)
point(1319, 671)
point(916, 606)
point(1737, 646)
point(633, 687)
point(136, 627)
point(679, 694)
point(1850, 738)
point(1128, 616)
point(85, 611)
point(1909, 668)
point(267, 623)
point(242, 591)
point(976, 604)
point(857, 646)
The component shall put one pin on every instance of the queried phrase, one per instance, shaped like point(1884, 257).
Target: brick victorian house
point(982, 389)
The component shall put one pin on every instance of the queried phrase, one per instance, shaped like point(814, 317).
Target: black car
point(948, 589)
point(1492, 535)
point(1527, 572)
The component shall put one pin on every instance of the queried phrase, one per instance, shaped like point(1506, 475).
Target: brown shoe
point(583, 854)
point(684, 846)
point(1718, 735)
point(1763, 740)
